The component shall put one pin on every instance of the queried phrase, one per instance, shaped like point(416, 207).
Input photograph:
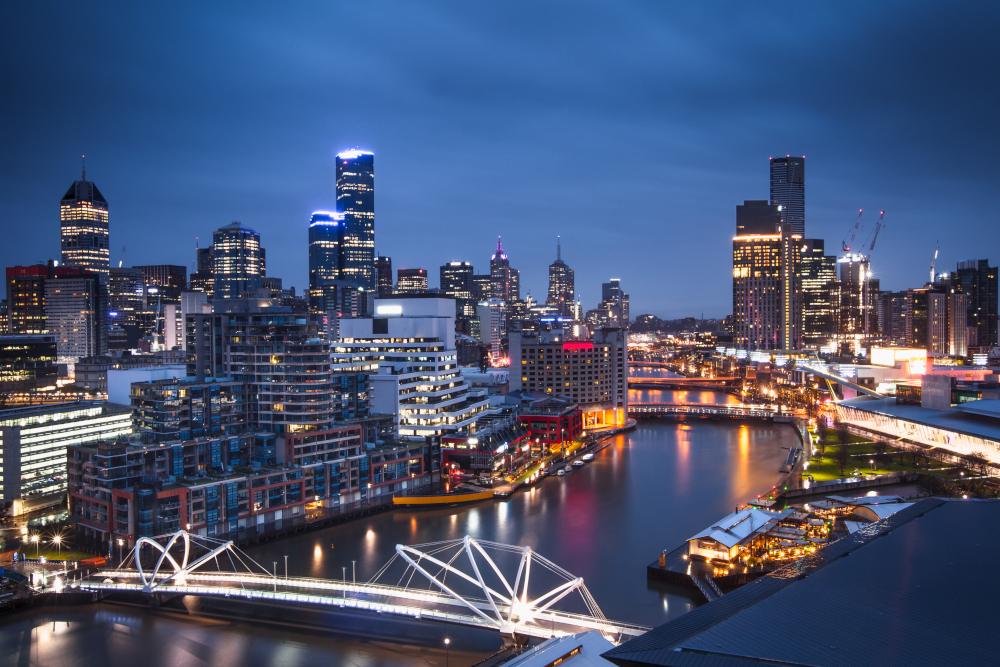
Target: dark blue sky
point(631, 129)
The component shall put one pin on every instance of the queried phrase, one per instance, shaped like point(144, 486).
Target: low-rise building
point(27, 362)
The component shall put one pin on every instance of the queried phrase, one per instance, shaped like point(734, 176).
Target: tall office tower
point(326, 231)
point(202, 279)
point(411, 281)
point(83, 223)
point(456, 281)
point(280, 357)
point(979, 280)
point(235, 261)
point(482, 286)
point(561, 283)
point(757, 216)
point(170, 280)
point(858, 299)
point(767, 301)
point(383, 276)
point(500, 287)
point(820, 294)
point(927, 319)
point(492, 315)
point(788, 190)
point(958, 318)
point(356, 200)
point(615, 302)
point(892, 317)
point(76, 312)
point(126, 302)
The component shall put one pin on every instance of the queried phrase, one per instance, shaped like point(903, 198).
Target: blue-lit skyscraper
point(237, 261)
point(788, 190)
point(326, 235)
point(356, 200)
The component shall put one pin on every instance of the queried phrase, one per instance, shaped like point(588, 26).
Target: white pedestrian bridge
point(465, 582)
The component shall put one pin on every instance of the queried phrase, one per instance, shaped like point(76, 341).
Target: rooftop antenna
point(83, 159)
point(558, 248)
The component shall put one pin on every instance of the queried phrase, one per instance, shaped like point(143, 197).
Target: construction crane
point(847, 245)
point(866, 275)
point(878, 228)
point(122, 260)
point(937, 244)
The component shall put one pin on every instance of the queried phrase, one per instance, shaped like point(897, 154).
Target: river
point(649, 491)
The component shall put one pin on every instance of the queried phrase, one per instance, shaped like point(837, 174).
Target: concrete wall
point(120, 381)
point(935, 392)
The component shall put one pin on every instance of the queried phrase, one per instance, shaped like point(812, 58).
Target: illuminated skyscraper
point(83, 222)
point(326, 230)
point(820, 294)
point(383, 276)
point(456, 281)
point(356, 200)
point(236, 261)
point(788, 190)
point(561, 283)
point(411, 281)
point(500, 287)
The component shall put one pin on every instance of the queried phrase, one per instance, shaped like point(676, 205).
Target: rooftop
point(897, 592)
point(969, 420)
point(742, 524)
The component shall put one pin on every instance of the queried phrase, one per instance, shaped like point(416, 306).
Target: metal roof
point(908, 590)
point(955, 420)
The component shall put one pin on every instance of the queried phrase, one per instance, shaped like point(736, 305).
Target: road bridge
point(477, 595)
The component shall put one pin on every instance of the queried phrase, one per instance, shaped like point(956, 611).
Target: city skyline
point(478, 184)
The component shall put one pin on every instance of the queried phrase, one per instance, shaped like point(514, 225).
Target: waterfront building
point(592, 372)
point(237, 261)
point(551, 421)
point(76, 312)
point(411, 281)
point(788, 188)
point(561, 284)
point(33, 443)
point(979, 281)
point(186, 408)
point(408, 348)
point(83, 226)
point(356, 201)
point(457, 282)
point(503, 444)
point(767, 293)
point(326, 230)
point(27, 362)
point(820, 294)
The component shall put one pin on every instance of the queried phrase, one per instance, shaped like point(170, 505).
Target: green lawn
point(825, 467)
point(53, 553)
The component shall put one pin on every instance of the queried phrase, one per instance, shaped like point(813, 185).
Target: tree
point(843, 435)
point(821, 432)
point(976, 461)
point(843, 457)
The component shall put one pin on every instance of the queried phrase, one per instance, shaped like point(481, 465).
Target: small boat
point(588, 457)
point(567, 469)
point(578, 464)
point(561, 472)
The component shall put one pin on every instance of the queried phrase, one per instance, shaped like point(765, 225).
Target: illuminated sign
point(501, 449)
point(580, 345)
point(389, 310)
point(741, 354)
point(980, 359)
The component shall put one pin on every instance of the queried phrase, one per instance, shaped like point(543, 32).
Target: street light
point(275, 575)
point(34, 538)
point(447, 646)
point(58, 540)
point(121, 543)
point(286, 568)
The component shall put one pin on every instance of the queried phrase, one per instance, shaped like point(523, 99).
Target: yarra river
point(649, 491)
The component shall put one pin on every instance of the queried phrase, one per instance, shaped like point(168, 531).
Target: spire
point(558, 248)
point(499, 247)
point(83, 159)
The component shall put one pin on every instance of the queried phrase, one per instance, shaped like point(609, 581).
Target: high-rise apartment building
point(83, 226)
point(492, 315)
point(411, 281)
point(76, 312)
point(979, 281)
point(500, 284)
point(168, 279)
point(788, 190)
point(927, 320)
point(892, 317)
point(457, 282)
point(356, 200)
point(236, 261)
point(383, 276)
point(757, 216)
point(767, 294)
point(326, 231)
point(958, 317)
point(561, 283)
point(820, 294)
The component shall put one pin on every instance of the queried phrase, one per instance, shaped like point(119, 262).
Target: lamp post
point(275, 563)
point(286, 568)
point(447, 647)
point(58, 540)
point(34, 538)
point(121, 543)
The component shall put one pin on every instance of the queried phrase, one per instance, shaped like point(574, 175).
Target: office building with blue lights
point(356, 201)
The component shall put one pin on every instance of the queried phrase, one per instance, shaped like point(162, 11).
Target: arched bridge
point(465, 582)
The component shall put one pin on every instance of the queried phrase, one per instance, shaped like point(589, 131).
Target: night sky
point(631, 129)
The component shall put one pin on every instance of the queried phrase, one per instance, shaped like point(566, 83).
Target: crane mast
point(847, 244)
point(937, 244)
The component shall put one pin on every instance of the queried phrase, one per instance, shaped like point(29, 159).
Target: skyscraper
point(356, 200)
point(83, 223)
point(456, 281)
point(76, 312)
point(767, 299)
point(615, 300)
point(411, 281)
point(236, 261)
point(168, 279)
point(383, 276)
point(788, 188)
point(500, 287)
point(326, 231)
point(979, 280)
point(858, 298)
point(820, 294)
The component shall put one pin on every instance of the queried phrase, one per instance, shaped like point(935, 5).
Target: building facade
point(76, 313)
point(237, 261)
point(383, 276)
point(27, 361)
point(326, 231)
point(411, 281)
point(457, 282)
point(562, 285)
point(84, 230)
point(500, 278)
point(788, 190)
point(170, 280)
point(356, 200)
point(820, 294)
point(979, 281)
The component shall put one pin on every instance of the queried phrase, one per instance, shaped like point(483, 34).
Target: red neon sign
point(583, 345)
